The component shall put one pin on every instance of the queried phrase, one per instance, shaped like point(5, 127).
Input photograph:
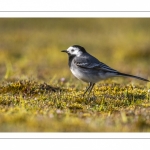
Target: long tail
point(128, 75)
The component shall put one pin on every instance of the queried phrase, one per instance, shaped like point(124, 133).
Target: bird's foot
point(93, 98)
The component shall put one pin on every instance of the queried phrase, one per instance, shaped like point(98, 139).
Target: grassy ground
point(39, 93)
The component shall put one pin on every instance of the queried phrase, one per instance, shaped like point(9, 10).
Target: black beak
point(64, 51)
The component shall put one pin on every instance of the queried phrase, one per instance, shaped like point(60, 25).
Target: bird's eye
point(72, 50)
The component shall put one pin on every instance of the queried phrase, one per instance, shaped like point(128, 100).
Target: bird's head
point(74, 50)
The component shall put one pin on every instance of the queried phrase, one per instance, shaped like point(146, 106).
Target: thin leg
point(90, 87)
point(90, 84)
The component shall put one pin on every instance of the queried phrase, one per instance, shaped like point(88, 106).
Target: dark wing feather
point(86, 61)
point(90, 62)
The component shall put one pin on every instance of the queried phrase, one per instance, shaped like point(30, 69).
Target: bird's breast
point(79, 74)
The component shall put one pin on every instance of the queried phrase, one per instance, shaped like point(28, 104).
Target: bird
point(89, 69)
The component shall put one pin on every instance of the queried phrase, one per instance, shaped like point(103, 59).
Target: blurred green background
point(30, 48)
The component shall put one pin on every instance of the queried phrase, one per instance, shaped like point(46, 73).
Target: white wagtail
point(87, 68)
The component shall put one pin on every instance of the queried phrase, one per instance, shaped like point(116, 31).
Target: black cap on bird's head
point(79, 47)
point(75, 50)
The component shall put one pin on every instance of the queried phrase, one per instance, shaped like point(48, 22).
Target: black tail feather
point(128, 75)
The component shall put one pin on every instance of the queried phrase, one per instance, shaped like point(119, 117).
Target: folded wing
point(90, 62)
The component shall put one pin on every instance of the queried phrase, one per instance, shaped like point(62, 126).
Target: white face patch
point(74, 51)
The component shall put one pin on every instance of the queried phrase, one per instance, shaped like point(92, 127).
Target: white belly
point(87, 76)
point(79, 75)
